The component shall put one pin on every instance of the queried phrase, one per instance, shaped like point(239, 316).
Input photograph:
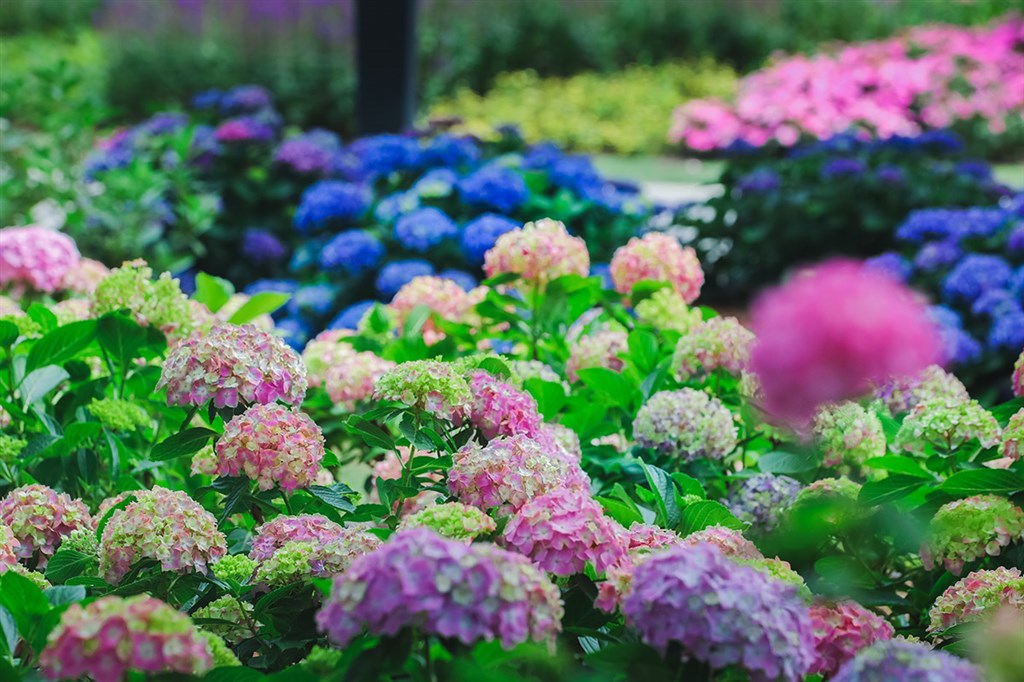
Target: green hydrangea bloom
point(236, 567)
point(452, 520)
point(26, 325)
point(781, 571)
point(82, 540)
point(840, 488)
point(159, 303)
point(968, 529)
point(435, 387)
point(119, 415)
point(947, 424)
point(849, 434)
point(37, 578)
point(222, 655)
point(10, 447)
point(237, 614)
point(665, 309)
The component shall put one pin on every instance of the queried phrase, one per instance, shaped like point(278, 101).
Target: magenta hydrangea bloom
point(975, 595)
point(36, 258)
point(641, 536)
point(685, 424)
point(729, 542)
point(501, 409)
point(721, 613)
point(112, 635)
point(718, 343)
point(602, 349)
point(273, 445)
point(972, 528)
point(40, 519)
point(165, 525)
point(842, 629)
point(661, 258)
point(510, 471)
point(232, 365)
point(443, 296)
point(275, 534)
point(468, 592)
point(561, 532)
point(897, 660)
point(832, 332)
point(8, 547)
point(539, 252)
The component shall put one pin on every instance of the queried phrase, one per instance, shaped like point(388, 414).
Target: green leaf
point(615, 388)
point(665, 494)
point(780, 462)
point(895, 487)
point(23, 600)
point(333, 495)
point(185, 442)
point(39, 382)
point(843, 573)
point(496, 367)
point(550, 396)
point(620, 511)
point(899, 465)
point(9, 631)
point(212, 291)
point(43, 316)
point(233, 674)
point(700, 515)
point(688, 484)
point(643, 349)
point(983, 482)
point(1003, 412)
point(8, 333)
point(371, 433)
point(121, 337)
point(61, 345)
point(67, 564)
point(262, 303)
point(65, 594)
point(418, 317)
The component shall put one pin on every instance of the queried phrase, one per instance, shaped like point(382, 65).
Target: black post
point(386, 57)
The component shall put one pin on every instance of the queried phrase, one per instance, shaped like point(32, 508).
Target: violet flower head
point(897, 660)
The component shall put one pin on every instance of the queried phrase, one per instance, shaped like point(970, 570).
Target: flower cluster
point(158, 303)
point(500, 409)
point(298, 560)
point(849, 434)
point(780, 570)
point(480, 234)
point(657, 257)
point(896, 659)
point(947, 424)
point(729, 542)
point(232, 365)
point(8, 547)
point(353, 252)
point(167, 526)
point(969, 529)
point(119, 415)
point(40, 519)
point(685, 424)
point(664, 309)
point(352, 376)
point(538, 252)
point(718, 343)
point(451, 520)
point(841, 630)
point(234, 617)
point(273, 535)
point(1013, 437)
point(468, 592)
point(602, 349)
point(432, 386)
point(272, 445)
point(36, 258)
point(901, 395)
point(236, 567)
point(112, 635)
point(975, 595)
point(721, 614)
point(440, 295)
point(330, 202)
point(762, 499)
point(424, 228)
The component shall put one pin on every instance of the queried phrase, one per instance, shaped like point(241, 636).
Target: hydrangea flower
point(523, 370)
point(84, 277)
point(395, 275)
point(237, 567)
point(602, 349)
point(718, 343)
point(664, 309)
point(685, 424)
point(563, 532)
point(112, 635)
point(235, 616)
point(354, 252)
point(167, 526)
point(729, 542)
point(351, 317)
point(947, 424)
point(424, 228)
point(721, 614)
point(538, 252)
point(468, 592)
point(780, 570)
point(974, 596)
point(299, 560)
point(10, 447)
point(508, 472)
point(562, 437)
point(500, 409)
point(495, 188)
point(1018, 376)
point(432, 386)
point(480, 234)
point(657, 257)
point(641, 537)
point(352, 377)
point(8, 547)
point(1007, 330)
point(831, 491)
point(36, 257)
point(159, 303)
point(119, 415)
point(849, 434)
point(831, 332)
point(896, 660)
point(974, 275)
point(1013, 437)
point(220, 653)
point(382, 155)
point(761, 500)
point(972, 528)
point(244, 129)
point(40, 519)
point(275, 534)
point(233, 365)
point(308, 155)
point(900, 395)
point(451, 520)
point(330, 202)
point(841, 630)
point(997, 643)
point(272, 445)
point(262, 246)
point(241, 99)
point(442, 296)
point(958, 346)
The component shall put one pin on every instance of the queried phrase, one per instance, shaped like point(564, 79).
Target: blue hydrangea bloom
point(397, 274)
point(479, 235)
point(837, 168)
point(995, 302)
point(280, 286)
point(354, 252)
point(1015, 240)
point(1007, 331)
point(501, 346)
point(925, 224)
point(163, 123)
point(314, 299)
point(494, 187)
point(385, 154)
point(760, 181)
point(187, 281)
point(574, 173)
point(436, 183)
point(295, 331)
point(349, 317)
point(395, 205)
point(245, 99)
point(465, 280)
point(959, 347)
point(330, 201)
point(892, 264)
point(424, 228)
point(974, 275)
point(450, 151)
point(604, 271)
point(310, 154)
point(1016, 283)
point(890, 174)
point(940, 140)
point(261, 246)
point(542, 155)
point(207, 99)
point(935, 255)
point(979, 170)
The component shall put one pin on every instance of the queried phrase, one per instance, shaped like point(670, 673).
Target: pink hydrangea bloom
point(112, 635)
point(300, 560)
point(164, 525)
point(40, 519)
point(1013, 438)
point(352, 377)
point(442, 296)
point(718, 343)
point(833, 331)
point(658, 257)
point(975, 595)
point(325, 351)
point(729, 542)
point(8, 547)
point(641, 536)
point(539, 252)
point(275, 534)
point(841, 630)
point(510, 471)
point(272, 445)
point(971, 528)
point(1018, 376)
point(36, 258)
point(232, 365)
point(561, 532)
point(900, 395)
point(500, 409)
point(85, 276)
point(602, 349)
point(562, 437)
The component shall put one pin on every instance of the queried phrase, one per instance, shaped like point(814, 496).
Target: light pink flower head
point(602, 349)
point(442, 296)
point(8, 547)
point(501, 409)
point(36, 257)
point(85, 276)
point(658, 257)
point(539, 252)
point(275, 534)
point(40, 519)
point(325, 351)
point(975, 596)
point(831, 332)
point(729, 542)
point(718, 343)
point(841, 630)
point(352, 378)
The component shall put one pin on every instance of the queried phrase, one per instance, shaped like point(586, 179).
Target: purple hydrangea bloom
point(261, 246)
point(1015, 242)
point(891, 264)
point(163, 123)
point(422, 229)
point(935, 255)
point(307, 154)
point(890, 175)
point(1007, 331)
point(721, 613)
point(349, 317)
point(244, 129)
point(974, 275)
point(450, 151)
point(354, 252)
point(494, 187)
point(896, 660)
point(926, 224)
point(1016, 283)
point(760, 181)
point(330, 201)
point(762, 499)
point(838, 168)
point(480, 234)
point(940, 141)
point(979, 170)
point(245, 99)
point(397, 274)
point(465, 280)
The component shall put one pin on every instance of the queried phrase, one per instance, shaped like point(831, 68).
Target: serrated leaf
point(64, 594)
point(185, 442)
point(333, 495)
point(67, 564)
point(39, 382)
point(61, 345)
point(780, 462)
point(700, 515)
point(665, 494)
point(212, 291)
point(983, 482)
point(688, 484)
point(263, 303)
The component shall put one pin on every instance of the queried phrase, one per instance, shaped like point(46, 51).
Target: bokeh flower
point(424, 228)
point(36, 257)
point(602, 349)
point(762, 500)
point(85, 276)
point(330, 202)
point(849, 434)
point(685, 424)
point(442, 296)
point(718, 343)
point(353, 252)
point(657, 257)
point(480, 234)
point(494, 188)
point(351, 378)
point(897, 660)
point(902, 394)
point(664, 309)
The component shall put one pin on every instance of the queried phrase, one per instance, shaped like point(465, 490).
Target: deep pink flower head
point(272, 445)
point(36, 257)
point(831, 332)
point(275, 534)
point(232, 365)
point(657, 257)
point(112, 635)
point(40, 519)
point(538, 252)
point(562, 531)
point(841, 630)
point(468, 592)
point(501, 409)
point(729, 542)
